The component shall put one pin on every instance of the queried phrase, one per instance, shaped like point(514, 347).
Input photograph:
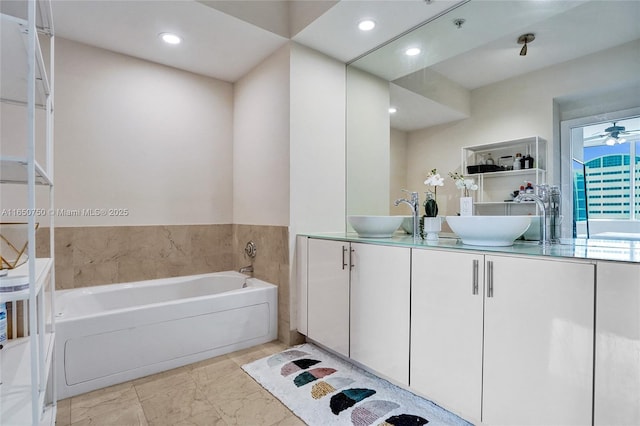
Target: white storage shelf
point(494, 188)
point(27, 394)
point(15, 170)
point(13, 81)
point(43, 271)
point(16, 392)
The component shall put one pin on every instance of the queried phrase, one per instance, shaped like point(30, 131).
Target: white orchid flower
point(434, 180)
point(470, 184)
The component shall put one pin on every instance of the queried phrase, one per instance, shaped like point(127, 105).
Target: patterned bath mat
point(323, 389)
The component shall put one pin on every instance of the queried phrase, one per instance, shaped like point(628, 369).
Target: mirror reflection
point(606, 160)
point(469, 84)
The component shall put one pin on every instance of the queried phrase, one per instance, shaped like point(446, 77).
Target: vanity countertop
point(610, 250)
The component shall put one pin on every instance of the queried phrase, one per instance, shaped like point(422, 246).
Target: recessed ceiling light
point(392, 110)
point(170, 38)
point(412, 51)
point(366, 25)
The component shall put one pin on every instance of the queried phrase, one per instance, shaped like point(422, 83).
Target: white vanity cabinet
point(617, 363)
point(446, 329)
point(380, 290)
point(328, 270)
point(504, 340)
point(358, 303)
point(538, 341)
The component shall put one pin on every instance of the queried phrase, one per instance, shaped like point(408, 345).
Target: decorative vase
point(430, 205)
point(431, 227)
point(466, 206)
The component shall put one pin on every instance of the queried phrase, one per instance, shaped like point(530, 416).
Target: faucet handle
point(542, 191)
point(414, 195)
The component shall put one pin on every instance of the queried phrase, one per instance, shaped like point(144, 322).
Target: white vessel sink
point(375, 226)
point(489, 230)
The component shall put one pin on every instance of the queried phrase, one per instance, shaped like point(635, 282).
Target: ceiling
point(484, 49)
point(226, 39)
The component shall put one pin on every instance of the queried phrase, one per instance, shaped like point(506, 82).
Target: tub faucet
point(414, 203)
point(548, 201)
point(245, 269)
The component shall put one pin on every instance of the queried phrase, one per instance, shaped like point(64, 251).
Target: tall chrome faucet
point(548, 201)
point(414, 203)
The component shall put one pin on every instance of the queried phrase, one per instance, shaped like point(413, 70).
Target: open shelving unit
point(28, 389)
point(494, 188)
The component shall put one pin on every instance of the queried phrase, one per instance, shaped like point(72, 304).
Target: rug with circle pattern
point(323, 389)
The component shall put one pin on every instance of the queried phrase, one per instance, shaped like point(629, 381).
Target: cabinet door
point(538, 342)
point(617, 368)
point(380, 309)
point(328, 294)
point(446, 329)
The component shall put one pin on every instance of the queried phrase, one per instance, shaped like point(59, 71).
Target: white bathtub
point(114, 333)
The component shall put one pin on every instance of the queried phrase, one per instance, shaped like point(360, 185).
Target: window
point(608, 171)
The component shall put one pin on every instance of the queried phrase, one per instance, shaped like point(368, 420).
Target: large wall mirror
point(469, 82)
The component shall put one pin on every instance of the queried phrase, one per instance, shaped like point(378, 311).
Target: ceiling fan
point(613, 134)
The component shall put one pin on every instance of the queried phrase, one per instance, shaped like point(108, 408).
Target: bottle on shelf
point(529, 188)
point(489, 159)
point(517, 162)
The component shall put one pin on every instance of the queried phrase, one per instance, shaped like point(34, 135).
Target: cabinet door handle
point(489, 278)
point(344, 264)
point(474, 289)
point(351, 265)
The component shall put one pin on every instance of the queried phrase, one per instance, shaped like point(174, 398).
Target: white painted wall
point(261, 143)
point(517, 108)
point(368, 151)
point(140, 136)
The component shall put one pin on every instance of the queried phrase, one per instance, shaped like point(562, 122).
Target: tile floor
point(213, 392)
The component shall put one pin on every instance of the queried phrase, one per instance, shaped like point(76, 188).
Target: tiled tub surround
point(271, 264)
point(87, 256)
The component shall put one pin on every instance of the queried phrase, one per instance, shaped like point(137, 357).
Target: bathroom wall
point(516, 108)
point(261, 143)
point(151, 142)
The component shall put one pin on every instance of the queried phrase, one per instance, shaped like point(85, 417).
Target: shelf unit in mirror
point(496, 186)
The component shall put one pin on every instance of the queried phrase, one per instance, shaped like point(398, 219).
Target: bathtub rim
point(253, 284)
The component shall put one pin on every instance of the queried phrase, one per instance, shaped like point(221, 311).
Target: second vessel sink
point(375, 226)
point(492, 231)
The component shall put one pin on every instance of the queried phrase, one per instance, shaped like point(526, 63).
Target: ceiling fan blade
point(598, 136)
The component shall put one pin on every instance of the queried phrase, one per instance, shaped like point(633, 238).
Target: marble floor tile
point(63, 412)
point(213, 392)
point(257, 408)
point(115, 405)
